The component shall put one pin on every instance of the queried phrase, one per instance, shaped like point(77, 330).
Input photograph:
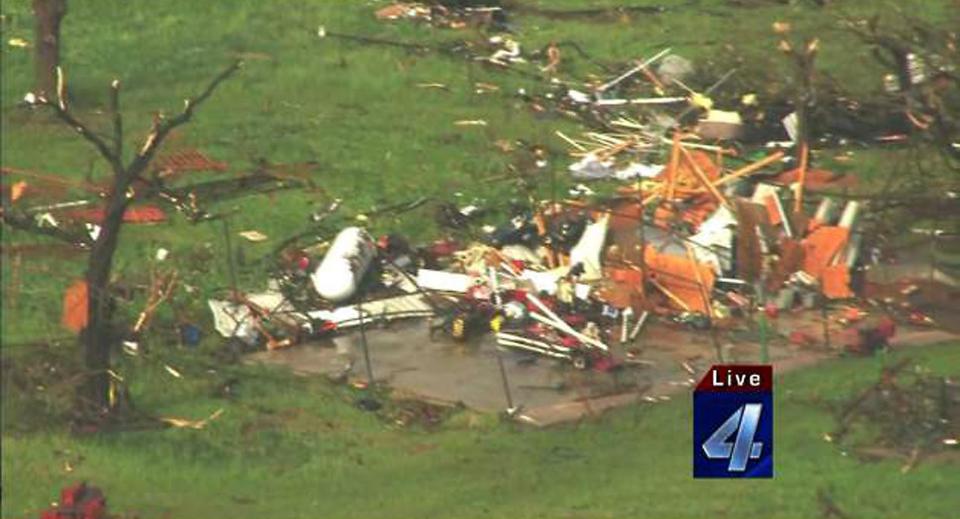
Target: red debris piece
point(887, 327)
point(872, 338)
point(854, 314)
point(771, 310)
point(443, 248)
point(802, 338)
point(919, 319)
point(187, 160)
point(78, 501)
point(141, 214)
point(816, 179)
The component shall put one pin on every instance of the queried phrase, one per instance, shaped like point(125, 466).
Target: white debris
point(579, 97)
point(587, 251)
point(591, 167)
point(400, 307)
point(790, 123)
point(93, 230)
point(713, 243)
point(637, 170)
point(253, 236)
point(443, 281)
point(233, 320)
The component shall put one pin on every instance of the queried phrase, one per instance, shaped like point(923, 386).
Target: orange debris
point(836, 282)
point(821, 247)
point(679, 275)
point(75, 307)
point(771, 204)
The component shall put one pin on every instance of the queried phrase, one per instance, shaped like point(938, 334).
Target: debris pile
point(909, 414)
point(701, 229)
point(449, 14)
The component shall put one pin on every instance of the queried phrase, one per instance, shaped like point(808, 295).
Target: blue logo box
point(733, 422)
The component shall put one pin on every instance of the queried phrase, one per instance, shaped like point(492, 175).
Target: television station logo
point(733, 422)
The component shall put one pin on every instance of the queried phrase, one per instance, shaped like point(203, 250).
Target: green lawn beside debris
point(299, 447)
point(353, 110)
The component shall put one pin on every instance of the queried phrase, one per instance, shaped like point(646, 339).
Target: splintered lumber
point(673, 297)
point(639, 325)
point(804, 154)
point(552, 319)
point(702, 177)
point(570, 141)
point(703, 147)
point(655, 193)
point(161, 290)
point(641, 101)
point(672, 167)
point(683, 280)
point(615, 81)
point(750, 168)
point(617, 148)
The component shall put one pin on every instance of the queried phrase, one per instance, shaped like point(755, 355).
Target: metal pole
point(764, 350)
point(643, 242)
point(933, 254)
point(363, 345)
point(716, 342)
point(503, 378)
point(230, 258)
point(826, 321)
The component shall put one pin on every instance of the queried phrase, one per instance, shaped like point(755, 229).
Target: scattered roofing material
point(75, 307)
point(184, 161)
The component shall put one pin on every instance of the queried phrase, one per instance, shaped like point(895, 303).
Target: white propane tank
point(338, 275)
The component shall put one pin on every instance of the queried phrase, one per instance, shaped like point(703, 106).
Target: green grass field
point(299, 447)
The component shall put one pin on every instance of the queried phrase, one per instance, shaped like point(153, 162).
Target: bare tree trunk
point(48, 14)
point(99, 337)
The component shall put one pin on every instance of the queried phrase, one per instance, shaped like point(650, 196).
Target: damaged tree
point(98, 338)
point(923, 60)
point(48, 14)
point(803, 54)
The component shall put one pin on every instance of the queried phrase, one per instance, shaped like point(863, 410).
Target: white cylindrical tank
point(338, 275)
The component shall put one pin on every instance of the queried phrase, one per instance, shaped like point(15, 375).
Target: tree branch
point(163, 128)
point(117, 119)
point(61, 110)
point(23, 222)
